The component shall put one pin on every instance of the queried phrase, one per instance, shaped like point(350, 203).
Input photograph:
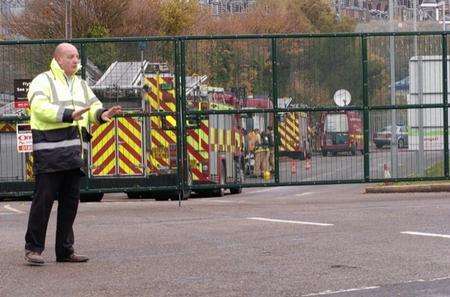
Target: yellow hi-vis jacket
point(57, 139)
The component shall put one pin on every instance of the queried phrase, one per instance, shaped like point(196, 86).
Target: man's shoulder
point(42, 76)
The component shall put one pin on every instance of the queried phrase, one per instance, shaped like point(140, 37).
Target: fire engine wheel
point(237, 190)
point(91, 197)
point(324, 153)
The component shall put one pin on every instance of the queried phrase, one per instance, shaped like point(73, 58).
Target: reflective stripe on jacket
point(56, 138)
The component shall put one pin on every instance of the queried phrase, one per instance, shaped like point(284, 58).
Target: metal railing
point(195, 136)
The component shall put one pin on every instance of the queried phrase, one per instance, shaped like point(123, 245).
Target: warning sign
point(21, 87)
point(24, 138)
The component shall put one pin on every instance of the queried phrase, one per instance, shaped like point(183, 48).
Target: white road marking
point(13, 209)
point(304, 194)
point(329, 292)
point(289, 222)
point(426, 234)
point(262, 191)
point(222, 201)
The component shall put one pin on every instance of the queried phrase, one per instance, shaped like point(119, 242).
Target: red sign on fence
point(20, 93)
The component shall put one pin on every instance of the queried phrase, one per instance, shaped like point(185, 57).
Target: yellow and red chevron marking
point(103, 149)
point(7, 127)
point(289, 132)
point(198, 150)
point(162, 128)
point(129, 132)
point(161, 139)
point(162, 100)
point(29, 167)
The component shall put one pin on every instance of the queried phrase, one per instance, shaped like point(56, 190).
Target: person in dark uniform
point(62, 107)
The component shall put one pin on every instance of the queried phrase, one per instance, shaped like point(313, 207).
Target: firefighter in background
point(251, 140)
point(261, 154)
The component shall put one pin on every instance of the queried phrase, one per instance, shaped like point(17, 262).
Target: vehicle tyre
point(237, 190)
point(401, 143)
point(324, 153)
point(378, 145)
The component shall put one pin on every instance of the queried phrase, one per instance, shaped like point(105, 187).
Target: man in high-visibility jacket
point(62, 106)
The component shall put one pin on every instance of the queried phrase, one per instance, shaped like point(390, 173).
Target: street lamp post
point(420, 161)
point(394, 148)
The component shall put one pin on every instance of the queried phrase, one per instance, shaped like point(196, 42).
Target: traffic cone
point(308, 164)
point(293, 167)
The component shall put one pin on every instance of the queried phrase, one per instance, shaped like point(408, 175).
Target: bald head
point(67, 57)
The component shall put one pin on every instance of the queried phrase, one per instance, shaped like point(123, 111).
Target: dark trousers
point(64, 186)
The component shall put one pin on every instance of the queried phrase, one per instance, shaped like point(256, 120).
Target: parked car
point(383, 137)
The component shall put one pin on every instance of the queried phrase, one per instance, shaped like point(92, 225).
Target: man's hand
point(108, 114)
point(78, 114)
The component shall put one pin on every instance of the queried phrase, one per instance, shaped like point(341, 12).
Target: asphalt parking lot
point(288, 241)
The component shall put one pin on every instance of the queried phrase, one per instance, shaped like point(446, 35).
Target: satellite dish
point(342, 97)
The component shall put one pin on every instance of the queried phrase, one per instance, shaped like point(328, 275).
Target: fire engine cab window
point(336, 123)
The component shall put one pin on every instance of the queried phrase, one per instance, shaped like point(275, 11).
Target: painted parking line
point(262, 191)
point(290, 222)
point(426, 234)
point(329, 292)
point(304, 194)
point(13, 209)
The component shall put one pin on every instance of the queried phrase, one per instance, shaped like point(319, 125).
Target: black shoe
point(34, 258)
point(74, 258)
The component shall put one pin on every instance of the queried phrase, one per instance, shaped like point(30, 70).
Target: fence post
point(83, 58)
point(275, 109)
point(364, 61)
point(183, 116)
point(179, 82)
point(445, 101)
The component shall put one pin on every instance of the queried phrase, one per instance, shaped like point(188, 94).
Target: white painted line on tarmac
point(329, 292)
point(426, 234)
point(13, 209)
point(289, 222)
point(262, 191)
point(304, 194)
point(223, 201)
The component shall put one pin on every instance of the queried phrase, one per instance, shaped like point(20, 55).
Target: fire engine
point(147, 147)
point(293, 127)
